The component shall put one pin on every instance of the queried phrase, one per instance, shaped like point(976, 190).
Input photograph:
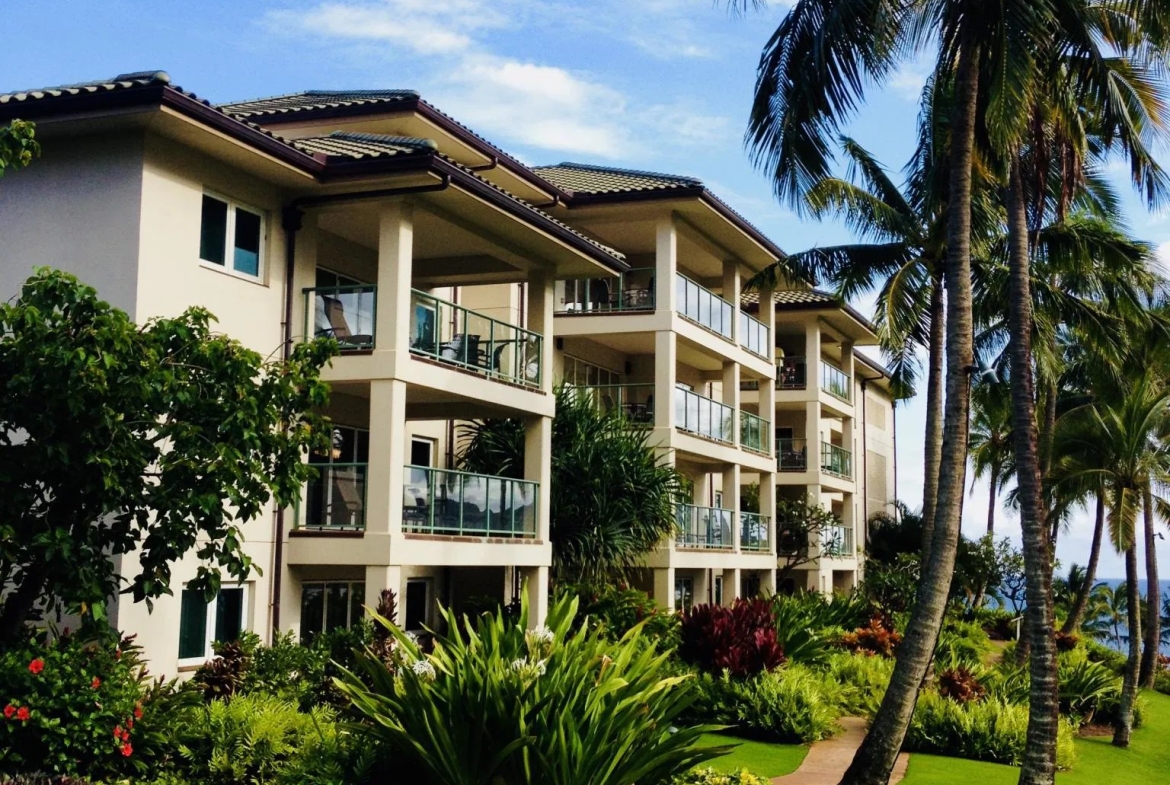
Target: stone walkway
point(827, 760)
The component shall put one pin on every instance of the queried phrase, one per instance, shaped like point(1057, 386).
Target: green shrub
point(711, 777)
point(998, 623)
point(258, 739)
point(989, 730)
point(552, 704)
point(961, 644)
point(864, 680)
point(793, 704)
point(1085, 687)
point(41, 779)
point(72, 705)
point(1110, 658)
point(618, 609)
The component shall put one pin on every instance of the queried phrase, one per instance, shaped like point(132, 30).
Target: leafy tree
point(122, 442)
point(613, 498)
point(799, 523)
point(18, 145)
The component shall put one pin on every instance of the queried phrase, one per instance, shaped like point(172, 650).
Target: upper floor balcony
point(836, 382)
point(755, 532)
point(709, 528)
point(707, 309)
point(628, 292)
point(440, 331)
point(792, 456)
point(837, 542)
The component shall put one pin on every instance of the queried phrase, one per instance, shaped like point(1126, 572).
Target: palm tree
point(991, 441)
point(1107, 613)
point(1080, 600)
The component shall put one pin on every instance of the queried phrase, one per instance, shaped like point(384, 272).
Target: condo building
point(460, 284)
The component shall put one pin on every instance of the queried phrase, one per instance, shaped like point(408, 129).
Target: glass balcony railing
point(635, 401)
point(835, 382)
point(837, 542)
point(755, 532)
point(452, 334)
point(345, 313)
point(448, 502)
point(836, 460)
point(755, 433)
point(792, 455)
point(335, 499)
point(753, 336)
point(791, 374)
point(704, 307)
point(704, 527)
point(630, 291)
point(702, 416)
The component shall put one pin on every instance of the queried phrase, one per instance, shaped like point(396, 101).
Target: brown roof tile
point(355, 146)
point(314, 99)
point(588, 179)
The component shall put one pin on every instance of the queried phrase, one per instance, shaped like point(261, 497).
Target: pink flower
point(36, 666)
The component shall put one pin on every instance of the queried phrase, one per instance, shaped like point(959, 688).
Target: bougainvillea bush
point(740, 639)
point(72, 705)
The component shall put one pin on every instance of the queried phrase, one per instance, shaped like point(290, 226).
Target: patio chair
point(339, 327)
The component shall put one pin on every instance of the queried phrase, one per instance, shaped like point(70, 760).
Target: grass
point(1098, 762)
point(766, 760)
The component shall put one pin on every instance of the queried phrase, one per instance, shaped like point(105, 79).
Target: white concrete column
point(665, 376)
point(305, 276)
point(395, 264)
point(812, 434)
point(767, 583)
point(539, 318)
point(731, 290)
point(538, 469)
point(731, 397)
point(386, 473)
point(849, 516)
point(381, 577)
point(534, 583)
point(665, 266)
point(847, 440)
point(664, 587)
point(703, 587)
point(731, 499)
point(812, 360)
point(732, 585)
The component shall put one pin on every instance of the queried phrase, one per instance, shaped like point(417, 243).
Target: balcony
point(453, 503)
point(345, 313)
point(335, 499)
point(704, 527)
point(755, 532)
point(790, 375)
point(835, 382)
point(792, 455)
point(753, 336)
point(837, 542)
point(635, 401)
point(451, 334)
point(702, 416)
point(629, 292)
point(704, 307)
point(836, 460)
point(755, 433)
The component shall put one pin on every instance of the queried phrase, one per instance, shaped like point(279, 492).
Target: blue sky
point(658, 84)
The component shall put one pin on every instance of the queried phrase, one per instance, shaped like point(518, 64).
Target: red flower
point(36, 666)
point(22, 713)
point(95, 683)
point(9, 710)
point(130, 724)
point(127, 750)
point(117, 654)
point(117, 731)
point(138, 712)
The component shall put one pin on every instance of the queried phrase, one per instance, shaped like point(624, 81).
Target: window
point(585, 374)
point(418, 604)
point(231, 236)
point(684, 593)
point(719, 590)
point(330, 605)
point(422, 452)
point(202, 623)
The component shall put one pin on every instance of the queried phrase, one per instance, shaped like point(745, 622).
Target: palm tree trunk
point(1153, 641)
point(932, 452)
point(878, 752)
point(991, 501)
point(1077, 614)
point(1039, 763)
point(1124, 725)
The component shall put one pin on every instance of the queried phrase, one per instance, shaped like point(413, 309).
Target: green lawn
point(766, 760)
point(1098, 762)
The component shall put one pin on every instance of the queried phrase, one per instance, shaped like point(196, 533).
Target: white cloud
point(907, 82)
point(526, 102)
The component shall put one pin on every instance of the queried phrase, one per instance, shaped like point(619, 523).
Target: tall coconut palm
point(991, 441)
point(1127, 429)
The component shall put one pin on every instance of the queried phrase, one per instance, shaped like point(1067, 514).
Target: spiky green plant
point(497, 702)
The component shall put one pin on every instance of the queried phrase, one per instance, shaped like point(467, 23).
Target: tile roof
point(587, 179)
point(314, 99)
point(119, 82)
point(794, 297)
point(355, 146)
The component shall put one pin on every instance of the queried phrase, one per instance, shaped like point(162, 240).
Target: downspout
point(291, 220)
point(865, 461)
point(894, 418)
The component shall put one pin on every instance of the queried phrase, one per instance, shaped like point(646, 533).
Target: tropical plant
point(806, 621)
point(616, 610)
point(878, 637)
point(18, 145)
point(960, 685)
point(794, 704)
point(709, 776)
point(800, 522)
point(991, 441)
point(739, 640)
point(552, 704)
point(613, 498)
point(139, 427)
